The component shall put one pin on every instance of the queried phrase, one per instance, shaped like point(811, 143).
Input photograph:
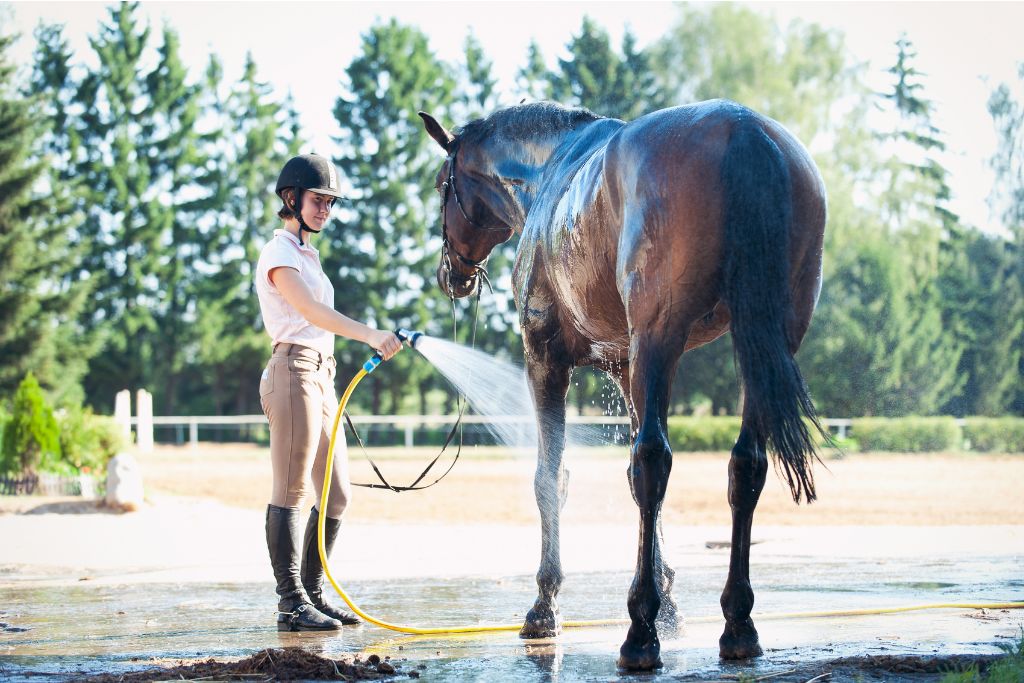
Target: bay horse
point(640, 241)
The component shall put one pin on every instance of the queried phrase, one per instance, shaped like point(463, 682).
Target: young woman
point(297, 391)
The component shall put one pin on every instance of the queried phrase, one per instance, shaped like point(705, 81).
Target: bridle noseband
point(477, 268)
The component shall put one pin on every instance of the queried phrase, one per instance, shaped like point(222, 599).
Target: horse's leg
point(668, 615)
point(653, 359)
point(549, 380)
point(748, 467)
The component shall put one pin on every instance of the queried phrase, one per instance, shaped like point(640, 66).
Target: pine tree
point(597, 78)
point(37, 292)
point(61, 197)
point(916, 214)
point(533, 78)
point(1008, 197)
point(145, 212)
point(244, 166)
point(382, 250)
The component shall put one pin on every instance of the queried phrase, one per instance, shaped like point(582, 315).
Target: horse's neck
point(539, 166)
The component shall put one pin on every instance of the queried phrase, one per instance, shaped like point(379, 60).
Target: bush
point(907, 434)
point(994, 434)
point(88, 441)
point(703, 433)
point(31, 439)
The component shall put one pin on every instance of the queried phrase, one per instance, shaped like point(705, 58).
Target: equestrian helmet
point(309, 172)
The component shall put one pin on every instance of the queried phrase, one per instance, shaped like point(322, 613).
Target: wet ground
point(112, 620)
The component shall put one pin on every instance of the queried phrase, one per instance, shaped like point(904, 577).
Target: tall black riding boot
point(294, 610)
point(313, 569)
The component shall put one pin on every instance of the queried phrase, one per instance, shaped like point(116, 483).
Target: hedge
point(901, 435)
point(994, 434)
point(907, 434)
point(703, 433)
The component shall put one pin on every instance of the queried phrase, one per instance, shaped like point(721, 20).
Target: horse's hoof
point(739, 641)
point(541, 622)
point(643, 657)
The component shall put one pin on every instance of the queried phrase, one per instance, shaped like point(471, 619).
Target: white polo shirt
point(283, 322)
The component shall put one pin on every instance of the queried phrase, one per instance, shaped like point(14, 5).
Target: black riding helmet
point(307, 172)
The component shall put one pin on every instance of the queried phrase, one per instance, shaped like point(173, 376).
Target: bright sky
point(303, 47)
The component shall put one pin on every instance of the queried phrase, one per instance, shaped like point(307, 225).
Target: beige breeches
point(297, 395)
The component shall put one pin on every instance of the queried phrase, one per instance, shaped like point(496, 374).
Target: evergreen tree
point(382, 251)
point(31, 440)
point(245, 163)
point(916, 214)
point(144, 223)
point(1008, 197)
point(597, 78)
point(533, 79)
point(61, 197)
point(36, 293)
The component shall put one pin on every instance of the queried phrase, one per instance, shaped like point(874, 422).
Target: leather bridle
point(477, 268)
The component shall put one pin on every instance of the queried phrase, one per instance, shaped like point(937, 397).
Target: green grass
point(1010, 669)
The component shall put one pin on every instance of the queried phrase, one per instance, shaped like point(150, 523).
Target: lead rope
point(457, 427)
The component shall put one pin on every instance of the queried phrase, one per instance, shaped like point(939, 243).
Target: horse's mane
point(525, 120)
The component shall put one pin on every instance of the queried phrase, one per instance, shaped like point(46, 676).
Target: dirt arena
point(488, 486)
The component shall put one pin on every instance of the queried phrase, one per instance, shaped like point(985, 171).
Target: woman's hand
point(387, 344)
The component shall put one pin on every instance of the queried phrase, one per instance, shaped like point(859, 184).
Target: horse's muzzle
point(455, 285)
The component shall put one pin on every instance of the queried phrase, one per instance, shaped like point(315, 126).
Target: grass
point(1009, 669)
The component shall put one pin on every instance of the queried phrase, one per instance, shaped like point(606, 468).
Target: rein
point(478, 271)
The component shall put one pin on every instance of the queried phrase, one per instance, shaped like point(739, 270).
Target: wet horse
point(640, 241)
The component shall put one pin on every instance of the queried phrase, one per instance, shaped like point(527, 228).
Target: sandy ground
point(487, 486)
point(202, 528)
point(203, 519)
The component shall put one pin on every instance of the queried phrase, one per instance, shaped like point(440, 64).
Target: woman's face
point(316, 209)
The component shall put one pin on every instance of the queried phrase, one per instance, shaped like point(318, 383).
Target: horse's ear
point(437, 131)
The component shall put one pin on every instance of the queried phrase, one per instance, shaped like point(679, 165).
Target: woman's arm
point(295, 292)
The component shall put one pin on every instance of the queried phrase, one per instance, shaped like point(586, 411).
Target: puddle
point(78, 629)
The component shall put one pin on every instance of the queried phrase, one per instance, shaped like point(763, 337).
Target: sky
point(963, 48)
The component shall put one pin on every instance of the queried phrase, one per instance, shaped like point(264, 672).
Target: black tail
point(758, 214)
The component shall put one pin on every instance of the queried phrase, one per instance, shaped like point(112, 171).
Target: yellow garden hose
point(479, 628)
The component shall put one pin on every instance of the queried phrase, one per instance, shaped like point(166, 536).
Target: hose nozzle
point(405, 336)
point(409, 337)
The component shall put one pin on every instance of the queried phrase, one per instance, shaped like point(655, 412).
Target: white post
point(408, 434)
point(144, 425)
point(193, 432)
point(123, 413)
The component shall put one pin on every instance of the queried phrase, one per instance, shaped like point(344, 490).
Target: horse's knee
point(748, 469)
point(551, 486)
point(650, 465)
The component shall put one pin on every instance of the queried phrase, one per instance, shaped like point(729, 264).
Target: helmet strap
point(299, 194)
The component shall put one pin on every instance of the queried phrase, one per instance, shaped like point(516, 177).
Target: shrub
point(907, 434)
point(994, 434)
point(31, 439)
point(703, 433)
point(89, 441)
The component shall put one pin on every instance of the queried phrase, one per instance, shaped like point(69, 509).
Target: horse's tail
point(758, 216)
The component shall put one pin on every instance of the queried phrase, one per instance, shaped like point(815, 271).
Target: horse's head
point(472, 219)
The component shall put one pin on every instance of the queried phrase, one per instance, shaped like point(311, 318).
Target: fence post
point(408, 434)
point(193, 432)
point(123, 413)
point(144, 424)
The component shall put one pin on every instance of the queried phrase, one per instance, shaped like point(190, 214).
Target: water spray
point(411, 338)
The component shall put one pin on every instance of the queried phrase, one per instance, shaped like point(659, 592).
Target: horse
point(640, 241)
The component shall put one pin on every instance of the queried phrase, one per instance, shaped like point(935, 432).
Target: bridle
point(477, 268)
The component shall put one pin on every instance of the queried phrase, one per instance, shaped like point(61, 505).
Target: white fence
point(406, 423)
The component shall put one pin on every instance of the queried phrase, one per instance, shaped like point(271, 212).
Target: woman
point(297, 391)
